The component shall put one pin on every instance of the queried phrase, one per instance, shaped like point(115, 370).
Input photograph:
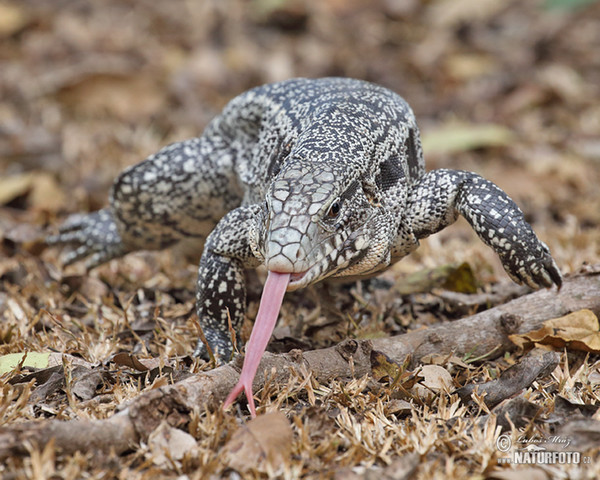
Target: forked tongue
point(270, 303)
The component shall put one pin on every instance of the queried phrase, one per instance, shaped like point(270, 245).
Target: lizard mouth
point(297, 280)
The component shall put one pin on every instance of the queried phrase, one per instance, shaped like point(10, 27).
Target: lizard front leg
point(231, 247)
point(441, 195)
point(221, 291)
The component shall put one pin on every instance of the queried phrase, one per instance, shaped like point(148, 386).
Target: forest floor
point(509, 90)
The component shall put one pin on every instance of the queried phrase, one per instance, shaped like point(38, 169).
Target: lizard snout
point(286, 251)
point(284, 258)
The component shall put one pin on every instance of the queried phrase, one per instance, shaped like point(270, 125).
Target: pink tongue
point(270, 303)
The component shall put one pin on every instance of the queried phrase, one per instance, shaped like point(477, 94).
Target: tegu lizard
point(312, 178)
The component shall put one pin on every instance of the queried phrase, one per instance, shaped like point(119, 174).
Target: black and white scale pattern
point(321, 178)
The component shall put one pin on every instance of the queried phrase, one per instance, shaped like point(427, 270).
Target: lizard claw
point(93, 236)
point(537, 270)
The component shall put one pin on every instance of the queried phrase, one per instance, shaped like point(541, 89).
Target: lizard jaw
point(297, 281)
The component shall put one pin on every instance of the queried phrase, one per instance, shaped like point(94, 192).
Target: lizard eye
point(334, 210)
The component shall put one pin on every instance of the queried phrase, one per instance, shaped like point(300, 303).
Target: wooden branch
point(537, 363)
point(485, 333)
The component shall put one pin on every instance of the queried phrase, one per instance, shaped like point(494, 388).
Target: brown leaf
point(398, 407)
point(383, 367)
point(91, 288)
point(42, 190)
point(264, 442)
point(576, 331)
point(85, 381)
point(399, 377)
point(28, 237)
point(167, 443)
point(12, 19)
point(451, 277)
point(442, 360)
point(46, 194)
point(124, 96)
point(436, 379)
point(13, 187)
point(130, 361)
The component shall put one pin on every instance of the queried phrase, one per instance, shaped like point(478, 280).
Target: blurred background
point(508, 89)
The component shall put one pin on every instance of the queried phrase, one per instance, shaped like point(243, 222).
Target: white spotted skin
point(320, 178)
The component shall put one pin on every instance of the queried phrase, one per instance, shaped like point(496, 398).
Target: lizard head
point(321, 224)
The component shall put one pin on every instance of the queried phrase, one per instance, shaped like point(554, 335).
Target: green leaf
point(461, 137)
point(566, 4)
point(32, 359)
point(451, 277)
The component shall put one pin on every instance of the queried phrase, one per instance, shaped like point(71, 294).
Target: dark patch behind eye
point(277, 157)
point(390, 172)
point(350, 191)
point(414, 166)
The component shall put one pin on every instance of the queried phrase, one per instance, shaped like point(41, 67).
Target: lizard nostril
point(297, 254)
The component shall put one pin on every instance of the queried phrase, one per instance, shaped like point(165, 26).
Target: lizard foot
point(93, 236)
point(536, 269)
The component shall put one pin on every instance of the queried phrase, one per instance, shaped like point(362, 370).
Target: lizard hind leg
point(180, 192)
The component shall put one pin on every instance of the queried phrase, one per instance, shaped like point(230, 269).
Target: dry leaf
point(382, 367)
point(129, 360)
point(167, 444)
point(441, 360)
point(45, 193)
point(85, 381)
point(436, 379)
point(264, 443)
point(447, 13)
point(12, 19)
point(398, 407)
point(91, 288)
point(13, 187)
point(42, 191)
point(385, 369)
point(27, 236)
point(467, 66)
point(576, 331)
point(460, 137)
point(126, 97)
point(451, 277)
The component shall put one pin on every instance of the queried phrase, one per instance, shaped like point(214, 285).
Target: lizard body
point(311, 178)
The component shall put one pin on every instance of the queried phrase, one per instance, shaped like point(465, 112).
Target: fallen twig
point(536, 363)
